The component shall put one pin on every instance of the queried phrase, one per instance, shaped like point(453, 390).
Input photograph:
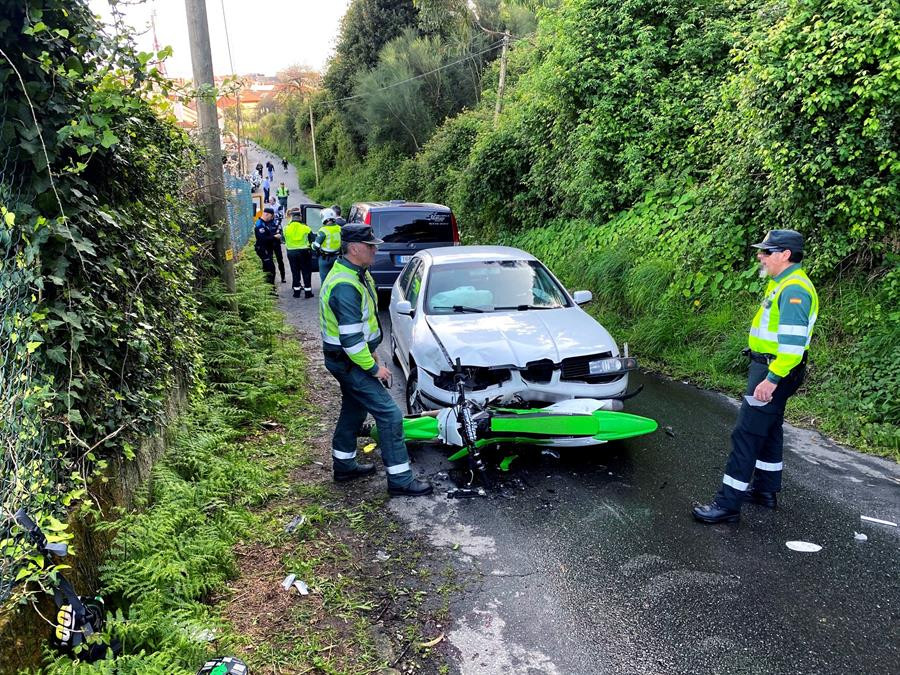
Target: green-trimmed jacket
point(348, 314)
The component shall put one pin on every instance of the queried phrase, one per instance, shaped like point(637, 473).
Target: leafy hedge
point(645, 144)
point(96, 177)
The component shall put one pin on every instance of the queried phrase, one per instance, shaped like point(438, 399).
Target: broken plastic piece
point(803, 546)
point(296, 522)
point(879, 521)
point(859, 536)
point(506, 461)
point(550, 453)
point(466, 492)
point(381, 556)
point(669, 431)
point(369, 447)
point(288, 581)
point(301, 587)
point(430, 643)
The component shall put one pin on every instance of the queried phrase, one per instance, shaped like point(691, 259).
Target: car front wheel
point(414, 403)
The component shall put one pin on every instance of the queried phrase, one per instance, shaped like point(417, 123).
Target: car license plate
point(403, 259)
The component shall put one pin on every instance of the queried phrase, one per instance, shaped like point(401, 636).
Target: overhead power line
point(416, 77)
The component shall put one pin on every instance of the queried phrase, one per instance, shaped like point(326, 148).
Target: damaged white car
point(516, 331)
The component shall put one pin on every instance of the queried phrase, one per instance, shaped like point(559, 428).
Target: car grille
point(476, 378)
point(578, 368)
point(539, 372)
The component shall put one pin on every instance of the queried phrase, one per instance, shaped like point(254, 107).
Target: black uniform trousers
point(757, 441)
point(279, 258)
point(300, 260)
point(266, 253)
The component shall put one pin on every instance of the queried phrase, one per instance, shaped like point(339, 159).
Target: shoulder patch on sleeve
point(796, 301)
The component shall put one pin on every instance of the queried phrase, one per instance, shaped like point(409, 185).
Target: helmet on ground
point(328, 214)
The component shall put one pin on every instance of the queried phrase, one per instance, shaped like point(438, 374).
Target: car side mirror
point(404, 307)
point(582, 297)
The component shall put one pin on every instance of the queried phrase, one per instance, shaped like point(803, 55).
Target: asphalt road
point(591, 563)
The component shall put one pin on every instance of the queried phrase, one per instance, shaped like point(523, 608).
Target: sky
point(266, 35)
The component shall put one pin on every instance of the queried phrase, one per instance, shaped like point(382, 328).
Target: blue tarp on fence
point(239, 204)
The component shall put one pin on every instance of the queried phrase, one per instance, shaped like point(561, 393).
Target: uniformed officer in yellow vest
point(351, 332)
point(328, 241)
point(778, 345)
point(298, 238)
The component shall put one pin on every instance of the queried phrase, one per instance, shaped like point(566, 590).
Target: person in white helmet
point(328, 242)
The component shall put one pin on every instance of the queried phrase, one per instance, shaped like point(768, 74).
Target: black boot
point(417, 488)
point(309, 294)
point(767, 499)
point(359, 471)
point(713, 513)
point(296, 293)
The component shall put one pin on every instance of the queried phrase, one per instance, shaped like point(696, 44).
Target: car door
point(403, 325)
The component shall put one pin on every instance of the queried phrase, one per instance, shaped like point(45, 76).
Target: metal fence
point(241, 210)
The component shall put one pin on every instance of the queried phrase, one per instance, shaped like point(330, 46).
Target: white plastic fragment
point(294, 524)
point(803, 546)
point(879, 521)
point(381, 556)
point(301, 587)
point(288, 581)
point(859, 536)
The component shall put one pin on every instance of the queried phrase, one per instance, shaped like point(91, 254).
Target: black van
point(406, 227)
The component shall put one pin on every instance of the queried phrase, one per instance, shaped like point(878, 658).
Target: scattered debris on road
point(859, 536)
point(669, 431)
point(803, 546)
point(869, 519)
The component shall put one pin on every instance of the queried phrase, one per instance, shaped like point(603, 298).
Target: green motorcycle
point(470, 426)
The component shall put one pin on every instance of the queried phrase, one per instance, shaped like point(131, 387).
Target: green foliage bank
point(644, 144)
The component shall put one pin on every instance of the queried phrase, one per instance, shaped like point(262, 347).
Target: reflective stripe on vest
point(764, 328)
point(332, 241)
point(331, 330)
point(296, 235)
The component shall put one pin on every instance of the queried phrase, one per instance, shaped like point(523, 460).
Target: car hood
point(511, 338)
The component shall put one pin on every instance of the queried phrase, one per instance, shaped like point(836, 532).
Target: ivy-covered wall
point(108, 255)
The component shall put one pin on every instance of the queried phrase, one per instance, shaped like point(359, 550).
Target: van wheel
point(414, 404)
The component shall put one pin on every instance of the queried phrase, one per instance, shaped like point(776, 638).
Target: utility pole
point(502, 84)
point(201, 58)
point(312, 130)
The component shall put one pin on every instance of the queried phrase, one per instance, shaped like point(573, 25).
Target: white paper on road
point(803, 546)
point(755, 402)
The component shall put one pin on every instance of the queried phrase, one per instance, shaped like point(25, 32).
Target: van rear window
point(409, 226)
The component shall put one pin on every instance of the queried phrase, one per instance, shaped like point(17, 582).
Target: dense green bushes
point(645, 144)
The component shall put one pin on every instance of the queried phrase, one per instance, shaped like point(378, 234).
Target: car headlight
point(613, 365)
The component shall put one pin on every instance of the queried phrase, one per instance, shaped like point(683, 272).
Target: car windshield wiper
point(522, 308)
point(460, 308)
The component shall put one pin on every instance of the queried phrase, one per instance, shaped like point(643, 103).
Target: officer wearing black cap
point(267, 239)
point(777, 346)
point(351, 332)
